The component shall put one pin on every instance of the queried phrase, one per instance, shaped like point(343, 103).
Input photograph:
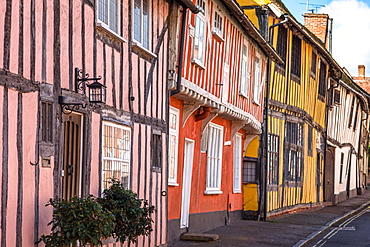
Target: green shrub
point(80, 220)
point(132, 215)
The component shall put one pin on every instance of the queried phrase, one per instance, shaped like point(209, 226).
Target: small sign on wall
point(46, 162)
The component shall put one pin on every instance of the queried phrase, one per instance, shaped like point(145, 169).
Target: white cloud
point(351, 33)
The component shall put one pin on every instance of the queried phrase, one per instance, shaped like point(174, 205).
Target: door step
point(198, 237)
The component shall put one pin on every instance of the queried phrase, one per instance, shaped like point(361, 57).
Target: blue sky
point(351, 29)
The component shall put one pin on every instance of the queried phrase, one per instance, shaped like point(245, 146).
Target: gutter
point(187, 4)
point(252, 31)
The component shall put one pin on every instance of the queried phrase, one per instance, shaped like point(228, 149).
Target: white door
point(186, 182)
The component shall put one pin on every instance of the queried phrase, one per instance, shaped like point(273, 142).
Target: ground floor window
point(293, 159)
point(116, 154)
point(273, 159)
point(214, 158)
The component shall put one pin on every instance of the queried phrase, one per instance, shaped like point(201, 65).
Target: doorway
point(71, 169)
point(186, 182)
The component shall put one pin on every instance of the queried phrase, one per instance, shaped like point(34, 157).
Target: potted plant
point(132, 215)
point(78, 222)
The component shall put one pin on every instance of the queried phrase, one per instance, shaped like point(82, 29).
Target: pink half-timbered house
point(218, 70)
point(58, 143)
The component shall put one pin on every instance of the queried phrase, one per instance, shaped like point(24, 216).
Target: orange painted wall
point(199, 202)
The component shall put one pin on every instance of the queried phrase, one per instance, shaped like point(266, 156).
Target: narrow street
point(354, 231)
point(306, 228)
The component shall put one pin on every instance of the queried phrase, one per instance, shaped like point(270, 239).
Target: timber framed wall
point(42, 42)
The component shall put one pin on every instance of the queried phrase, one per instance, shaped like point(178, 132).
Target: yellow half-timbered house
point(292, 152)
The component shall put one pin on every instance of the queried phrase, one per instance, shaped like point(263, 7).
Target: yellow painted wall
point(250, 197)
point(252, 149)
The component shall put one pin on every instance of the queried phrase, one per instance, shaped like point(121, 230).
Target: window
point(309, 141)
point(350, 119)
point(173, 145)
point(109, 14)
point(237, 163)
point(245, 75)
point(46, 122)
point(116, 154)
point(281, 47)
point(214, 159)
point(141, 22)
point(217, 24)
point(296, 58)
point(199, 37)
point(273, 159)
point(336, 96)
point(257, 81)
point(250, 170)
point(313, 64)
point(341, 168)
point(293, 152)
point(322, 81)
point(356, 118)
point(156, 145)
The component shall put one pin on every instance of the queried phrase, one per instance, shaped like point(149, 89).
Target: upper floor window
point(322, 80)
point(199, 36)
point(173, 145)
point(257, 81)
point(109, 14)
point(245, 75)
point(296, 58)
point(116, 154)
point(217, 24)
point(350, 119)
point(313, 64)
point(141, 22)
point(281, 46)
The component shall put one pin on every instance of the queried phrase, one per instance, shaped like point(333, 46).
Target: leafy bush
point(132, 215)
point(80, 220)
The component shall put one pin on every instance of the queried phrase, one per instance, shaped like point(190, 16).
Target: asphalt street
point(354, 232)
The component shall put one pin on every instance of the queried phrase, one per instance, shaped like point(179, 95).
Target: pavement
point(295, 229)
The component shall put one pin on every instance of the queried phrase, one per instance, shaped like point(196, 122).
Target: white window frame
point(172, 181)
point(107, 25)
point(238, 154)
point(124, 152)
point(218, 25)
point(214, 159)
point(257, 82)
point(200, 18)
point(140, 42)
point(244, 71)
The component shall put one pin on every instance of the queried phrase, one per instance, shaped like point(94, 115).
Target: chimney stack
point(361, 72)
point(318, 24)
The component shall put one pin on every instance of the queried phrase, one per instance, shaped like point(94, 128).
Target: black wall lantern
point(95, 88)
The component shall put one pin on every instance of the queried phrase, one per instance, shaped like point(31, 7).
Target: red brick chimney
point(318, 24)
point(361, 72)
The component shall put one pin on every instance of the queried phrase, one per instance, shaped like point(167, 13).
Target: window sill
point(212, 192)
point(198, 63)
point(145, 53)
point(104, 28)
point(256, 102)
point(218, 36)
point(173, 184)
point(243, 95)
point(237, 191)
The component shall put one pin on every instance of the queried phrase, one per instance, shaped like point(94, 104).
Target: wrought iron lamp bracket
point(82, 79)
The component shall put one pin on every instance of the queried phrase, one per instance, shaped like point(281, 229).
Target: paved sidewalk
point(288, 230)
